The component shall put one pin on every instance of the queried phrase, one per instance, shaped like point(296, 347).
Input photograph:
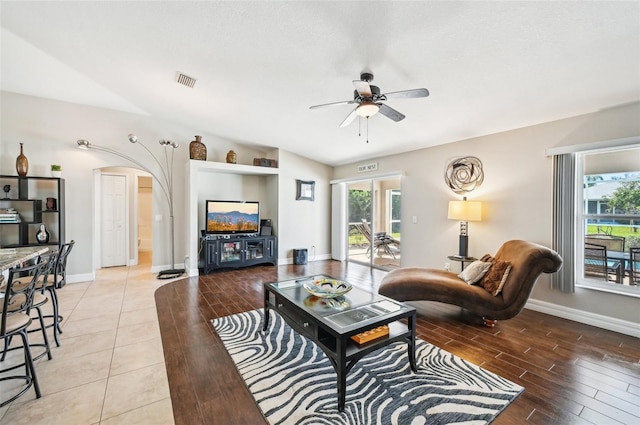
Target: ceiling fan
point(370, 101)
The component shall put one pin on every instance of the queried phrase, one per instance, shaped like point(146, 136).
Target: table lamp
point(464, 211)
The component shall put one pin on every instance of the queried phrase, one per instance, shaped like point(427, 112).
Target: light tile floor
point(109, 369)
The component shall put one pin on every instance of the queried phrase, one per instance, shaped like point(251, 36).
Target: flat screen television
point(232, 217)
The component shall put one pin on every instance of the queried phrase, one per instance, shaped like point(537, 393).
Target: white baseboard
point(158, 269)
point(321, 257)
point(85, 277)
point(285, 261)
point(597, 320)
point(191, 271)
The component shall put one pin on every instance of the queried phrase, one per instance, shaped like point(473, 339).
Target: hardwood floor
point(572, 373)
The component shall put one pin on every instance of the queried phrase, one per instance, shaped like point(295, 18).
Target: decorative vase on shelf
point(197, 149)
point(43, 235)
point(52, 204)
point(22, 163)
point(232, 157)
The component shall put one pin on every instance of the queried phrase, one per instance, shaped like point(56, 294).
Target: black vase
point(42, 236)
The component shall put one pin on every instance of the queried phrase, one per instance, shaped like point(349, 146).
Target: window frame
point(390, 194)
point(581, 218)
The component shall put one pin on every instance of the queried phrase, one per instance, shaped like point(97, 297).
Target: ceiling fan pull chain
point(367, 129)
point(359, 126)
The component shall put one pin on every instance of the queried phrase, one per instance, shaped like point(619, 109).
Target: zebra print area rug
point(293, 381)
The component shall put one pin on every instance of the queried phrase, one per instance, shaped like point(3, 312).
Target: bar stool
point(15, 318)
point(50, 282)
point(54, 281)
point(40, 299)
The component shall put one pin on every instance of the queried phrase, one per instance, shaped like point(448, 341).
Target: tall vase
point(43, 235)
point(22, 163)
point(197, 149)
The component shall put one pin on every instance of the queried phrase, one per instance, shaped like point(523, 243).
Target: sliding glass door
point(374, 225)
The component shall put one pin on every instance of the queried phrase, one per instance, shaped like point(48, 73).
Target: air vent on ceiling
point(185, 80)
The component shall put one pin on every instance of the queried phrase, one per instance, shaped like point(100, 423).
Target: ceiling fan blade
point(405, 94)
point(363, 88)
point(349, 118)
point(344, 102)
point(389, 112)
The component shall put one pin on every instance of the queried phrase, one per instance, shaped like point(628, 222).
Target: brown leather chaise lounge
point(528, 260)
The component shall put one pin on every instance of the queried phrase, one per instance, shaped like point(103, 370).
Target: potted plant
point(56, 170)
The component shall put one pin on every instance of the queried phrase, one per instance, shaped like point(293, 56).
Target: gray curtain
point(564, 211)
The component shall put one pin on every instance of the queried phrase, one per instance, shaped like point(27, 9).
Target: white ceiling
point(490, 66)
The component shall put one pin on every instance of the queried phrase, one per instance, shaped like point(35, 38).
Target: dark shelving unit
point(28, 196)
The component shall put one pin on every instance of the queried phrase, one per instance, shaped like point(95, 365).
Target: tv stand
point(236, 251)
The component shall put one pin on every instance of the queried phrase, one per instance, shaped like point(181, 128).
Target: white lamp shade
point(465, 210)
point(367, 109)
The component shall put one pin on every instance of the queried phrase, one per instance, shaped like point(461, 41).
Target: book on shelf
point(9, 216)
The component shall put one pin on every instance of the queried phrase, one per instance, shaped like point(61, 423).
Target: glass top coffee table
point(335, 323)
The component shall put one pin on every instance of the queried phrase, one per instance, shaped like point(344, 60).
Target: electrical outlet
point(447, 266)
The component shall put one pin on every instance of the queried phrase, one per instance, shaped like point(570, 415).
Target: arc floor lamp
point(165, 181)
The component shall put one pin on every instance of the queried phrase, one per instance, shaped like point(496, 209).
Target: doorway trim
point(132, 212)
point(339, 210)
point(373, 176)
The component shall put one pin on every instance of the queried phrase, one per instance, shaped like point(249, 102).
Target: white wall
point(304, 224)
point(49, 130)
point(516, 196)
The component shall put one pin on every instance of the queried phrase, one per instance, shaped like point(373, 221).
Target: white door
point(114, 213)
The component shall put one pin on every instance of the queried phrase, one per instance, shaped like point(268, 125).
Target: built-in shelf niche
point(216, 180)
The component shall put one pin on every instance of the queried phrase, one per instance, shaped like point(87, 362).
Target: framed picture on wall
point(305, 190)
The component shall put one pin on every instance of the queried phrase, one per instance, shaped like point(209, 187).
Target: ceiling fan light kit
point(367, 109)
point(369, 100)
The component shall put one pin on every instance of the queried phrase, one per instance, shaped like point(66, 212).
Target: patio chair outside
point(612, 243)
point(597, 265)
point(381, 240)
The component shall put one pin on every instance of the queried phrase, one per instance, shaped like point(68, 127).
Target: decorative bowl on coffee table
point(327, 287)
